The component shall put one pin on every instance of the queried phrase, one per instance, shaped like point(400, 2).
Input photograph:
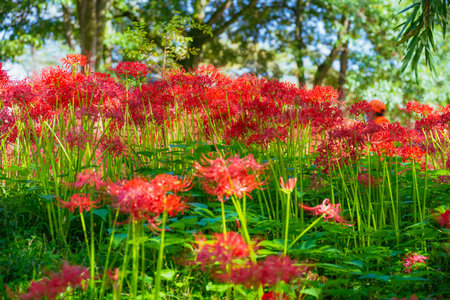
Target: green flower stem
point(286, 228)
point(92, 257)
point(108, 254)
point(156, 295)
point(83, 224)
point(224, 224)
point(305, 231)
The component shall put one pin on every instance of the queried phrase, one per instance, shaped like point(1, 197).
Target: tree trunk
point(92, 20)
point(343, 60)
point(68, 34)
point(323, 69)
point(300, 47)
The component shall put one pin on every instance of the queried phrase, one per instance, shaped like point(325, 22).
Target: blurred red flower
point(56, 283)
point(233, 176)
point(131, 68)
point(411, 260)
point(418, 108)
point(270, 272)
point(74, 60)
point(81, 201)
point(146, 199)
point(222, 248)
point(443, 218)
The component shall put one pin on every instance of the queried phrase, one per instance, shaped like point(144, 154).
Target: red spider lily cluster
point(222, 249)
point(147, 199)
point(274, 296)
point(233, 176)
point(412, 260)
point(360, 108)
point(328, 210)
point(230, 253)
point(443, 218)
point(268, 272)
point(74, 60)
point(133, 69)
point(418, 108)
point(81, 201)
point(56, 283)
point(248, 109)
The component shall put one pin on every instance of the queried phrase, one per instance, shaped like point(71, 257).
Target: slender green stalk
point(156, 294)
point(305, 231)
point(286, 228)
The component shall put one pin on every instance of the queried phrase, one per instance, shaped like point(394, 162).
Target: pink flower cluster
point(56, 283)
point(411, 260)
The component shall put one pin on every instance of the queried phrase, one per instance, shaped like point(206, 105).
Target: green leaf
point(375, 276)
point(118, 238)
point(101, 212)
point(315, 292)
point(168, 274)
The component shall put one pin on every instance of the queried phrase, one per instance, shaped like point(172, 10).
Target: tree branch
point(219, 12)
point(233, 18)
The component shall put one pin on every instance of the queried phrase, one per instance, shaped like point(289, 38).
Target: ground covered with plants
point(197, 185)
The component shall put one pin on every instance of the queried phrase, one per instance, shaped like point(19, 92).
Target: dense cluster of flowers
point(222, 249)
point(413, 260)
point(56, 283)
point(146, 199)
point(229, 254)
point(248, 109)
point(328, 210)
point(233, 176)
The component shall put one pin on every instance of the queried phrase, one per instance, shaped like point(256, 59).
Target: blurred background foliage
point(355, 46)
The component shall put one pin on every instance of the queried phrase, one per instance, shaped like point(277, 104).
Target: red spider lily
point(88, 178)
point(146, 200)
point(289, 186)
point(412, 297)
point(360, 108)
point(328, 210)
point(311, 276)
point(410, 153)
point(77, 137)
point(134, 69)
point(113, 276)
point(231, 177)
point(418, 108)
point(114, 146)
point(412, 260)
point(8, 128)
point(363, 178)
point(223, 248)
point(81, 201)
point(270, 272)
point(56, 283)
point(74, 60)
point(320, 94)
point(4, 78)
point(274, 296)
point(443, 218)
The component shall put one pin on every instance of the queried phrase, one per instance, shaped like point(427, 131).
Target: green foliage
point(418, 32)
point(175, 45)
